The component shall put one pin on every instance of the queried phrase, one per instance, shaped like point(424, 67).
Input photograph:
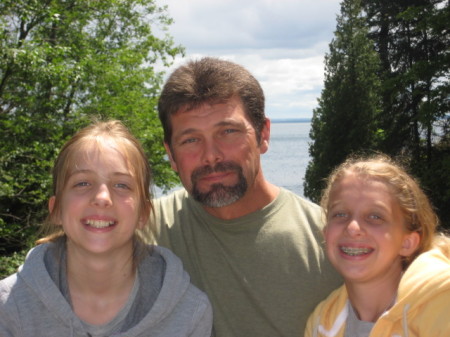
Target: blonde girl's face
point(99, 207)
point(365, 233)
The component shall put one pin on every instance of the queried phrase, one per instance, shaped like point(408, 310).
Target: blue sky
point(281, 42)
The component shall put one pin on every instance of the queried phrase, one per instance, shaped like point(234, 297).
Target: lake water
point(284, 164)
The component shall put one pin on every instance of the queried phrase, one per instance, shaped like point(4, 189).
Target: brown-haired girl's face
point(99, 206)
point(365, 233)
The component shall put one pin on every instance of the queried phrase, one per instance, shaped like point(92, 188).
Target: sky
point(281, 42)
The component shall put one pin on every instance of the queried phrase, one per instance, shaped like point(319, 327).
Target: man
point(253, 247)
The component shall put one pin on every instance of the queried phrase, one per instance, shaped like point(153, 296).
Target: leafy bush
point(61, 63)
point(9, 264)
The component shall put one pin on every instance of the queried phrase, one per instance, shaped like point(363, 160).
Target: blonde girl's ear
point(324, 234)
point(410, 243)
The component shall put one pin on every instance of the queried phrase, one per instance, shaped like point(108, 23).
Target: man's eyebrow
point(183, 133)
point(225, 122)
point(228, 122)
point(187, 131)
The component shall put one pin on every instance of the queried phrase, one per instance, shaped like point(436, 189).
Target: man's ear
point(410, 243)
point(173, 164)
point(265, 137)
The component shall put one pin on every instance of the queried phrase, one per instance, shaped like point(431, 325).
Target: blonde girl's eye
point(375, 219)
point(339, 215)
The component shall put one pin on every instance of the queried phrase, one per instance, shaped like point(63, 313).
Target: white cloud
point(282, 42)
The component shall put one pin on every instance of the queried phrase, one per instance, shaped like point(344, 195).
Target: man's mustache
point(219, 167)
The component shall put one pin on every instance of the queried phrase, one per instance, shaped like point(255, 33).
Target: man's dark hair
point(210, 80)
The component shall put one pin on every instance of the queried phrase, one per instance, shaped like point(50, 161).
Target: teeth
point(99, 223)
point(352, 251)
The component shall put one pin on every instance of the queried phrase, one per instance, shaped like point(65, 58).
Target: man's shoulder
point(176, 197)
point(289, 196)
point(169, 208)
point(296, 209)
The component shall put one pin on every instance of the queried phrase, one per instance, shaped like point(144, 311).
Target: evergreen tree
point(345, 121)
point(413, 39)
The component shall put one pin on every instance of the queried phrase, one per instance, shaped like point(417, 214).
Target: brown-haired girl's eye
point(121, 185)
point(81, 184)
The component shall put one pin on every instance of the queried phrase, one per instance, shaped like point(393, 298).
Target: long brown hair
point(93, 135)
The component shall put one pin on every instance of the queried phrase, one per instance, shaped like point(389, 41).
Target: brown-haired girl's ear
point(51, 204)
point(51, 207)
point(145, 214)
point(410, 243)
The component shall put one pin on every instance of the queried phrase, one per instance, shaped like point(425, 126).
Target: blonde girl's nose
point(354, 228)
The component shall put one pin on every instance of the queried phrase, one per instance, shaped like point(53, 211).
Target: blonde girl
point(381, 236)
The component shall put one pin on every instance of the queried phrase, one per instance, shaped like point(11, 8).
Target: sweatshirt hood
point(34, 273)
point(176, 283)
point(427, 277)
point(426, 280)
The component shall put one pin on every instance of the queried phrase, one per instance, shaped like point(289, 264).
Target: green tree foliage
point(345, 120)
point(413, 39)
point(62, 62)
point(410, 107)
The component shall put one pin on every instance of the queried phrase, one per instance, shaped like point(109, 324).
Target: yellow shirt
point(422, 308)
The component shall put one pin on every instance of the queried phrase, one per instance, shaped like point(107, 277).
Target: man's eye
point(188, 140)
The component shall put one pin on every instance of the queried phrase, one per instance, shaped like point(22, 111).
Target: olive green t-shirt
point(264, 273)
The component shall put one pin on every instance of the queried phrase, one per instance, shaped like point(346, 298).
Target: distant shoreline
point(290, 120)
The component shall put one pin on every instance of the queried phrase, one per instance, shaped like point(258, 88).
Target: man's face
point(215, 151)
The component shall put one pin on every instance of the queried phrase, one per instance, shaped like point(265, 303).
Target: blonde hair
point(418, 212)
point(95, 134)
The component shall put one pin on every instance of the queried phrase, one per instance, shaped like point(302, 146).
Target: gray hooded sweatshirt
point(32, 304)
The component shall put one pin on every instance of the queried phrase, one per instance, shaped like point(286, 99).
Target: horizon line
point(290, 120)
